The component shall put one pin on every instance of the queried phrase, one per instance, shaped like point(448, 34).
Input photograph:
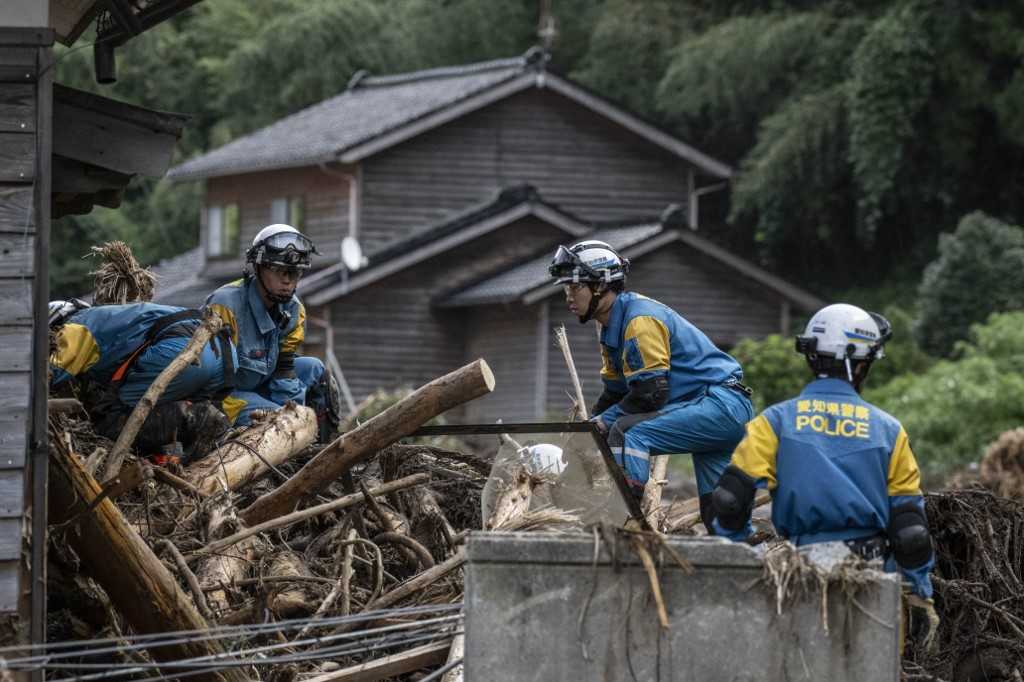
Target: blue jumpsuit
point(703, 416)
point(835, 466)
point(261, 342)
point(95, 342)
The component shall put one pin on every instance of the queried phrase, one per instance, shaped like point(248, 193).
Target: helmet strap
point(596, 293)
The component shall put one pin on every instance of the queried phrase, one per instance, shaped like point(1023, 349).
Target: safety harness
point(162, 329)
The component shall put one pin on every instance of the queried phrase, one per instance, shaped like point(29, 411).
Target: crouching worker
point(838, 468)
point(667, 388)
point(114, 352)
point(268, 324)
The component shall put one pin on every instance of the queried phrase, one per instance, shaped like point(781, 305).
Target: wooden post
point(114, 555)
point(399, 420)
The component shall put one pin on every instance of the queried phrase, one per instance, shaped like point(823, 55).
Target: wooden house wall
point(387, 334)
point(575, 158)
point(325, 198)
point(505, 336)
point(25, 105)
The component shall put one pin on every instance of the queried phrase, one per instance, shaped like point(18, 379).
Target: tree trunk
point(398, 421)
point(229, 566)
point(123, 564)
point(289, 600)
point(651, 502)
point(284, 434)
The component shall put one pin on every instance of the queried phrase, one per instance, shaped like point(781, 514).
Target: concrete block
point(538, 607)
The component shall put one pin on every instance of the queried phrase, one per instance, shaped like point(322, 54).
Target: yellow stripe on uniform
point(904, 476)
point(755, 454)
point(232, 407)
point(77, 350)
point(651, 336)
point(228, 316)
point(294, 338)
point(607, 371)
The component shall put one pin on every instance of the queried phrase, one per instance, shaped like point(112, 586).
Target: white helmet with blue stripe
point(844, 331)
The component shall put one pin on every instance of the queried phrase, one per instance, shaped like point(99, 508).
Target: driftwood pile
point(269, 529)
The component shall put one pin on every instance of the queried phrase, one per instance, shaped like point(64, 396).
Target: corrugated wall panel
point(575, 158)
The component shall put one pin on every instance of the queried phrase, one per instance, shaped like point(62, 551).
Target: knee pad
point(707, 511)
point(909, 536)
point(733, 499)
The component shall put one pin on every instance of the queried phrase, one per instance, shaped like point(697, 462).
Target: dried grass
point(1002, 467)
point(119, 278)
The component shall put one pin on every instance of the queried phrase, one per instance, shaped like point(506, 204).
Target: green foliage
point(893, 72)
point(980, 270)
point(956, 407)
point(772, 367)
point(903, 356)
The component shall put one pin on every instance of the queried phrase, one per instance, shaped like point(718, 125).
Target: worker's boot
point(325, 398)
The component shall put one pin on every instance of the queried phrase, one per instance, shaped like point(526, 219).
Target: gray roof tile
point(371, 107)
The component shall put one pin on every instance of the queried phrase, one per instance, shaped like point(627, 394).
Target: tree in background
point(956, 407)
point(979, 270)
point(772, 367)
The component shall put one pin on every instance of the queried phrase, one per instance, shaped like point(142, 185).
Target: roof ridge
point(528, 58)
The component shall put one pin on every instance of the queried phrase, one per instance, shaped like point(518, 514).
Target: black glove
point(646, 395)
point(604, 401)
point(922, 621)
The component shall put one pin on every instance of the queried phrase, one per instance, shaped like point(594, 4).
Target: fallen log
point(388, 666)
point(228, 567)
point(295, 517)
point(64, 405)
point(206, 330)
point(284, 434)
point(651, 502)
point(290, 600)
point(114, 555)
point(457, 652)
point(399, 420)
point(512, 496)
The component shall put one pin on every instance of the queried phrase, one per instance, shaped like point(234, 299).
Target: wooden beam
point(389, 666)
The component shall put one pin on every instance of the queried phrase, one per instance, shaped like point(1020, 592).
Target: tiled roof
point(369, 108)
point(180, 280)
point(516, 282)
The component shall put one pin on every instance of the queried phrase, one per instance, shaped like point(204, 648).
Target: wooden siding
point(505, 336)
point(576, 159)
point(25, 107)
point(724, 305)
point(387, 334)
point(325, 198)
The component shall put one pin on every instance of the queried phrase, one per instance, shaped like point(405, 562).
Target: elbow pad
point(605, 400)
point(646, 395)
point(909, 537)
point(733, 499)
point(285, 366)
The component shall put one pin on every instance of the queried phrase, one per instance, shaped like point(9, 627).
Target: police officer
point(837, 467)
point(116, 351)
point(268, 324)
point(667, 388)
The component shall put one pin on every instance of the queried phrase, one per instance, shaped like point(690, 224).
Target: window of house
point(288, 210)
point(222, 230)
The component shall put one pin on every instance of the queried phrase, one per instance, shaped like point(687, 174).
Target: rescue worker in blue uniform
point(117, 351)
point(268, 325)
point(667, 388)
point(837, 467)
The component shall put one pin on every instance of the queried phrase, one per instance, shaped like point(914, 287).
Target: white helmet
point(281, 244)
point(842, 331)
point(59, 311)
point(588, 261)
point(543, 458)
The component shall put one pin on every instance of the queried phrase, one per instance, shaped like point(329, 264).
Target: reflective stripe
point(639, 454)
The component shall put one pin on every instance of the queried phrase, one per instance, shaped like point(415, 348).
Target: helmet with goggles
point(281, 245)
point(840, 336)
point(60, 311)
point(589, 261)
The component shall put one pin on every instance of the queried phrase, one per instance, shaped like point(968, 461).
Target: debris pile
point(119, 278)
point(979, 589)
